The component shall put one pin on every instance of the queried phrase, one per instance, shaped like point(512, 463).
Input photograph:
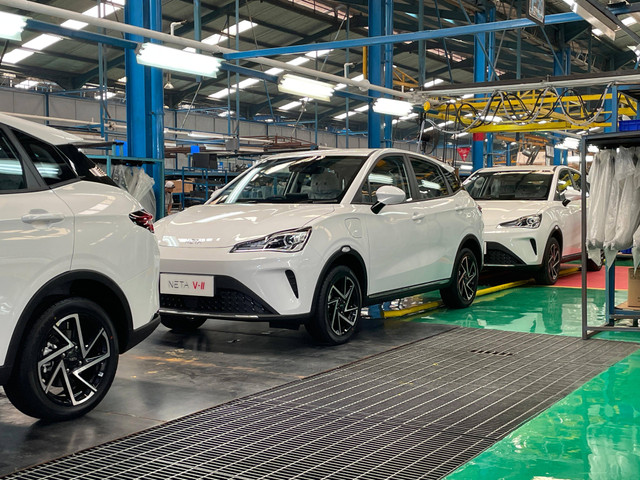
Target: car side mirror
point(388, 195)
point(571, 195)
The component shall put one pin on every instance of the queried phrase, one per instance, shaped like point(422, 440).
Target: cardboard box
point(188, 186)
point(634, 288)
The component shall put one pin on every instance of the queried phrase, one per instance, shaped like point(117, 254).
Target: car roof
point(523, 168)
point(43, 132)
point(356, 152)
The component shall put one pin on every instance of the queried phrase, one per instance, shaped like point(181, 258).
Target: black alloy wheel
point(464, 283)
point(67, 361)
point(550, 268)
point(337, 307)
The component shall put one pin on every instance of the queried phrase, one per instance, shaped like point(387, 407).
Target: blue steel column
point(491, 55)
point(145, 112)
point(388, 68)
point(374, 64)
point(134, 14)
point(559, 69)
point(479, 75)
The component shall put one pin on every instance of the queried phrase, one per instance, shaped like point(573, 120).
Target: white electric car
point(79, 276)
point(531, 216)
point(309, 238)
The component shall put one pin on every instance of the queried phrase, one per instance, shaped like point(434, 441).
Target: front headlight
point(287, 241)
point(529, 221)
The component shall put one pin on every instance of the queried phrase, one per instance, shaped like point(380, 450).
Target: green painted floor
point(594, 433)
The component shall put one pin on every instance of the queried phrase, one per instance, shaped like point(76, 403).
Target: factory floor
point(592, 433)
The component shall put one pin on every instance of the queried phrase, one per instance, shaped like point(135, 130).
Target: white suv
point(79, 276)
point(309, 238)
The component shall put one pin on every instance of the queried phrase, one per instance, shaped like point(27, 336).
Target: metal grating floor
point(418, 411)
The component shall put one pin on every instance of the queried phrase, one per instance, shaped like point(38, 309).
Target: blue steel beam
point(374, 40)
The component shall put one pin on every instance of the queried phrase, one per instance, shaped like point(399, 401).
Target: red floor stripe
point(595, 279)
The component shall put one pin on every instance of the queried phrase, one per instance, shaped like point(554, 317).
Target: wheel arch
point(472, 243)
point(82, 283)
point(557, 234)
point(345, 256)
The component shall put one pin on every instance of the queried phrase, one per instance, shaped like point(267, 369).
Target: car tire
point(181, 323)
point(338, 303)
point(66, 363)
point(550, 268)
point(464, 281)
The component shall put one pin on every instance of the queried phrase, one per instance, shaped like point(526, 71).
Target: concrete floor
point(173, 374)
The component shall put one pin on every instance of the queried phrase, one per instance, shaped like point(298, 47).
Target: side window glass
point(453, 179)
point(564, 182)
point(11, 170)
point(388, 171)
point(431, 183)
point(47, 159)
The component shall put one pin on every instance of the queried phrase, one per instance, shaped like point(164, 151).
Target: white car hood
point(222, 225)
point(495, 212)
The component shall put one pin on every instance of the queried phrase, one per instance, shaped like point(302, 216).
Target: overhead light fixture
point(12, 26)
point(389, 106)
point(154, 55)
point(596, 15)
point(305, 87)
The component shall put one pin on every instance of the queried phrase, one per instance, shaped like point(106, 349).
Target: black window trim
point(34, 182)
point(415, 182)
point(408, 171)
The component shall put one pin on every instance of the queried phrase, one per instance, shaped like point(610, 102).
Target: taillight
point(143, 219)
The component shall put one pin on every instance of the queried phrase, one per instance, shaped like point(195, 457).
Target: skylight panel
point(298, 61)
point(74, 24)
point(290, 105)
point(243, 26)
point(361, 109)
point(342, 116)
point(42, 41)
point(434, 82)
point(247, 83)
point(274, 71)
point(319, 53)
point(27, 84)
point(16, 56)
point(223, 93)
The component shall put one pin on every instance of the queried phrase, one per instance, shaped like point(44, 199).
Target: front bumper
point(247, 285)
point(513, 247)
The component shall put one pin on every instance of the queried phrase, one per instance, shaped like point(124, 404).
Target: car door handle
point(417, 216)
point(43, 217)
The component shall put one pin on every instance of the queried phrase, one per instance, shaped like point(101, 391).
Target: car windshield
point(310, 179)
point(532, 185)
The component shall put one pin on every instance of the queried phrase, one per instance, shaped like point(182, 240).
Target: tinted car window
point(11, 171)
point(431, 183)
point(48, 160)
point(532, 185)
point(387, 171)
point(316, 178)
point(84, 167)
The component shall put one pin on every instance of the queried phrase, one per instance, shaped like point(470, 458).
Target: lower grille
point(225, 301)
point(498, 255)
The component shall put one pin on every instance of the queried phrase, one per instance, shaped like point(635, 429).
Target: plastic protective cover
point(628, 214)
point(137, 183)
point(601, 179)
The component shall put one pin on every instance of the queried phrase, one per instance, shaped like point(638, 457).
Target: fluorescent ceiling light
point(305, 87)
point(12, 26)
point(389, 106)
point(154, 55)
point(41, 42)
point(596, 17)
point(16, 56)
